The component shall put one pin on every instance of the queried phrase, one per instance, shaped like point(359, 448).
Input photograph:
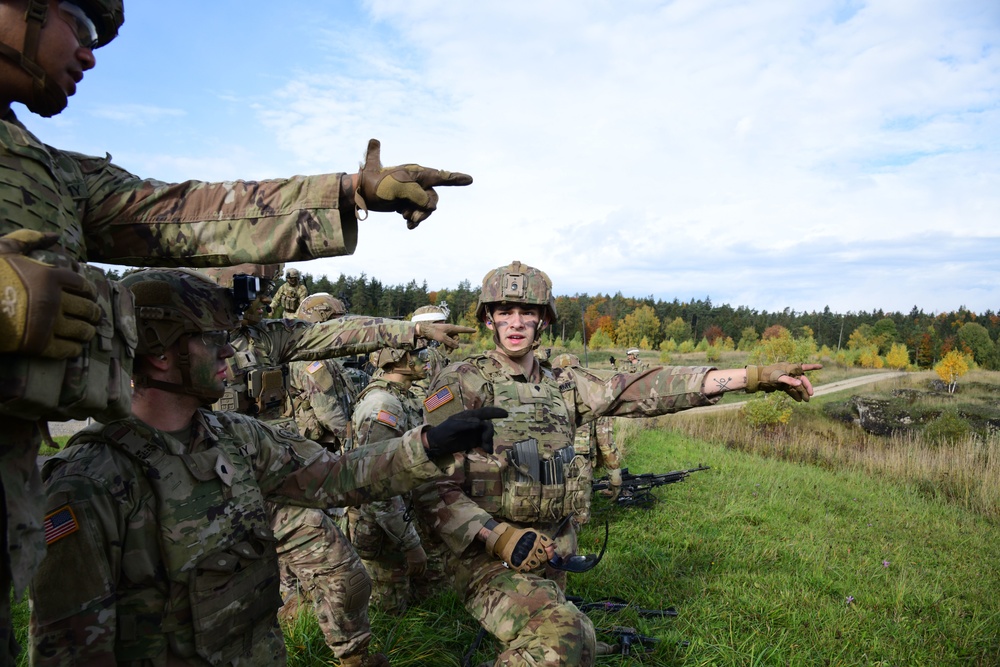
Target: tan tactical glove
point(416, 561)
point(765, 378)
point(44, 310)
point(614, 484)
point(523, 549)
point(442, 333)
point(407, 189)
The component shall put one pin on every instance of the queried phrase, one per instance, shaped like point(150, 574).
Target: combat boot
point(365, 660)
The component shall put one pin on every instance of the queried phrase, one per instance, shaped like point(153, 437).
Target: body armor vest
point(216, 545)
point(533, 475)
point(45, 190)
point(254, 385)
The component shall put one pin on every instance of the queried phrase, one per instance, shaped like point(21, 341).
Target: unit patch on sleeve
point(387, 418)
point(443, 395)
point(59, 524)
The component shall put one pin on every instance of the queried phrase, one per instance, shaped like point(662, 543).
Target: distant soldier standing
point(435, 360)
point(507, 515)
point(635, 364)
point(290, 295)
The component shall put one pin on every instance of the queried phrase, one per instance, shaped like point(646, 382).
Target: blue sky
point(769, 154)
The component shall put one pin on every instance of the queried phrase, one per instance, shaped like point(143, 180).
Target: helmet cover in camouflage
point(517, 283)
point(633, 352)
point(320, 307)
point(565, 360)
point(429, 314)
point(385, 357)
point(172, 302)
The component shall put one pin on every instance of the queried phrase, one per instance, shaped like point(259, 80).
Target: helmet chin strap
point(47, 98)
point(186, 388)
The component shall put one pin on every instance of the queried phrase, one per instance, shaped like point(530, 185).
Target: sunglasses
point(86, 31)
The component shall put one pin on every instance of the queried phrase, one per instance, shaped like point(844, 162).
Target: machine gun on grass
point(636, 489)
point(613, 605)
point(628, 640)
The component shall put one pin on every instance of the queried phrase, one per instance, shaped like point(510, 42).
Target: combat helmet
point(173, 305)
point(320, 307)
point(47, 97)
point(517, 283)
point(565, 360)
point(429, 314)
point(292, 273)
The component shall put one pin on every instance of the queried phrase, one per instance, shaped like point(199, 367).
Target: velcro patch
point(387, 418)
point(59, 524)
point(441, 397)
point(315, 366)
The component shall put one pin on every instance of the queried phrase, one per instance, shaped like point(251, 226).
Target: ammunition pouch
point(261, 393)
point(366, 535)
point(529, 489)
point(98, 383)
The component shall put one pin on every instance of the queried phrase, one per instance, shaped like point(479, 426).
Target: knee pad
point(357, 590)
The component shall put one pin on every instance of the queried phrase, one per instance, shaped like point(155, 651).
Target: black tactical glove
point(442, 333)
point(523, 549)
point(765, 378)
point(44, 310)
point(407, 189)
point(464, 431)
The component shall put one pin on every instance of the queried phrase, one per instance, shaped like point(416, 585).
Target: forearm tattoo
point(723, 383)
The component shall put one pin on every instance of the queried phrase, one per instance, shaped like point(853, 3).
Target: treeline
point(648, 322)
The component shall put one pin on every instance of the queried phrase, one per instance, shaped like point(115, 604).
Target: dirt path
point(820, 390)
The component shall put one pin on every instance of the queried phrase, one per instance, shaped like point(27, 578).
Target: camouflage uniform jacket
point(138, 511)
point(384, 410)
point(269, 345)
point(289, 298)
point(102, 213)
point(323, 398)
point(546, 407)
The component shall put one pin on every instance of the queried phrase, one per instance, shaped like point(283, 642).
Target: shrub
point(948, 428)
point(686, 346)
point(767, 411)
point(713, 354)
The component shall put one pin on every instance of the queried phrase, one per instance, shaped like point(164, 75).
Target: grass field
point(793, 549)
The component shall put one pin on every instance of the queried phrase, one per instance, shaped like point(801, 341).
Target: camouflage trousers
point(393, 590)
point(528, 612)
point(319, 564)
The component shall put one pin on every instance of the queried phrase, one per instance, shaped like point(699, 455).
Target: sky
point(771, 154)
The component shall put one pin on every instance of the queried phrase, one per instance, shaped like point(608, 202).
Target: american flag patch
point(387, 418)
point(315, 366)
point(443, 395)
point(59, 524)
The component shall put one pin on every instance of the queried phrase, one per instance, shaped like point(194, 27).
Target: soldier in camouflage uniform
point(322, 393)
point(290, 295)
point(160, 551)
point(595, 443)
point(315, 557)
point(507, 515)
point(635, 364)
point(434, 359)
point(382, 533)
point(69, 322)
